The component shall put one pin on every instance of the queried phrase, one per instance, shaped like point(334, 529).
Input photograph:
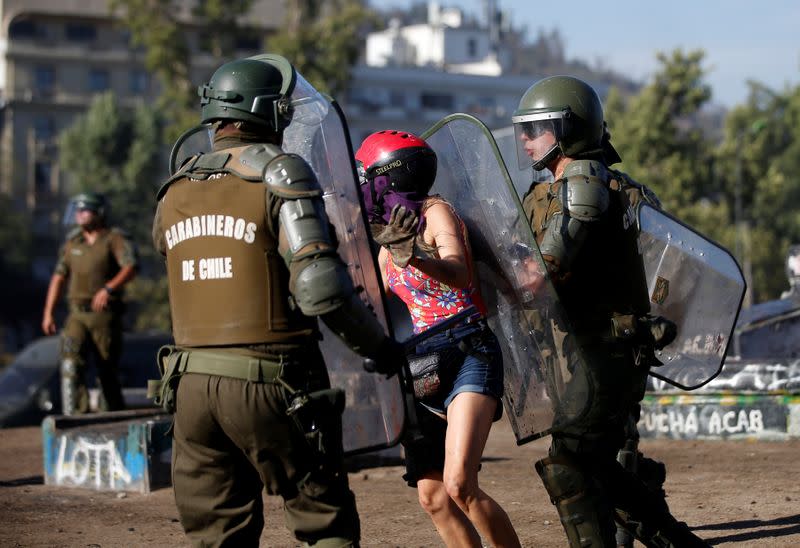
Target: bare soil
point(733, 493)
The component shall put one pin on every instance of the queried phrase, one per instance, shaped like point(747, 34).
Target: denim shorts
point(480, 372)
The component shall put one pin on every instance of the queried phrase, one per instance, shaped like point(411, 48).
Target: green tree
point(322, 39)
point(740, 191)
point(655, 134)
point(116, 151)
point(663, 146)
point(759, 160)
point(156, 26)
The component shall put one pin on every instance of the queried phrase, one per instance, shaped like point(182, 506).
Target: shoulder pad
point(257, 157)
point(643, 191)
point(289, 176)
point(237, 161)
point(585, 190)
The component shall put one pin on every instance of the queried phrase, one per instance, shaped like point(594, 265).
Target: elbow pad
point(321, 286)
point(319, 280)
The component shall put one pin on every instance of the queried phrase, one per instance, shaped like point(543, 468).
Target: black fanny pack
point(435, 366)
point(434, 372)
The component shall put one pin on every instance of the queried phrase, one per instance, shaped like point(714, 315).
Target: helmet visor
point(536, 136)
point(81, 203)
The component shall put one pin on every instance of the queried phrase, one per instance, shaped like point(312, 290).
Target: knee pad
point(74, 398)
point(587, 519)
point(70, 347)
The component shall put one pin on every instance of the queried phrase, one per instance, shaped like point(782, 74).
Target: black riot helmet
point(250, 90)
point(91, 201)
point(568, 109)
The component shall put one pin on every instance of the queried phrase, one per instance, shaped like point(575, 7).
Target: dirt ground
point(732, 493)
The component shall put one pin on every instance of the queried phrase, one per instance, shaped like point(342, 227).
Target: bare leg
point(451, 523)
point(469, 419)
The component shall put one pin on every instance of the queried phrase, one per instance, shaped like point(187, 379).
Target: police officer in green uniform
point(252, 264)
point(585, 225)
point(98, 261)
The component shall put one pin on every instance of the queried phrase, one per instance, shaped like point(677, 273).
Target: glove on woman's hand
point(398, 236)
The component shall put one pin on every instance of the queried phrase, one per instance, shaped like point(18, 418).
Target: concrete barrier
point(120, 451)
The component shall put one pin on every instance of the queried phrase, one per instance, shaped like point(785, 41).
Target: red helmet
point(406, 159)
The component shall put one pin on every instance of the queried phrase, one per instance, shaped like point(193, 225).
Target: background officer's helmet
point(565, 106)
point(93, 201)
point(250, 90)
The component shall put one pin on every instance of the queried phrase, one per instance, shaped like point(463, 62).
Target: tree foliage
point(323, 40)
point(738, 190)
point(157, 27)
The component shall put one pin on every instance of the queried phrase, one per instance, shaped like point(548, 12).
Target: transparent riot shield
point(698, 285)
point(546, 387)
point(374, 415)
point(375, 412)
point(521, 178)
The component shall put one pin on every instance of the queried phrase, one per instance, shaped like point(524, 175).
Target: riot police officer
point(97, 261)
point(585, 225)
point(251, 266)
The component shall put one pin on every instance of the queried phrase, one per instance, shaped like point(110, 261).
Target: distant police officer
point(98, 261)
point(585, 225)
point(251, 265)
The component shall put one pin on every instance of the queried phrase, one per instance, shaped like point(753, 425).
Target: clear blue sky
point(743, 39)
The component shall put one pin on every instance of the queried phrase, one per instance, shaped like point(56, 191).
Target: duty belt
point(175, 362)
point(224, 365)
point(228, 365)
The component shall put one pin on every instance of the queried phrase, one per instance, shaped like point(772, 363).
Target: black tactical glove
point(398, 236)
point(388, 360)
point(657, 330)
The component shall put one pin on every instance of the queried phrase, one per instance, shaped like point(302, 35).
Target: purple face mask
point(380, 199)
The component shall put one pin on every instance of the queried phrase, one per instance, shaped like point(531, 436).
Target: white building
point(416, 74)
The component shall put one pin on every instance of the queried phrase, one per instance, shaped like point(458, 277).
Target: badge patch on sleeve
point(660, 291)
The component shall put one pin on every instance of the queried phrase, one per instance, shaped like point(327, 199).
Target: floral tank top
point(428, 300)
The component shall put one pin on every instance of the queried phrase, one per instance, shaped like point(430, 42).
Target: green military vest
point(607, 277)
point(227, 283)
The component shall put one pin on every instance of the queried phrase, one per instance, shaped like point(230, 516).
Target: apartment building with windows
point(55, 56)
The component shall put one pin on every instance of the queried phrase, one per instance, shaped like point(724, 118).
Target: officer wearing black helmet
point(251, 266)
point(585, 226)
point(97, 261)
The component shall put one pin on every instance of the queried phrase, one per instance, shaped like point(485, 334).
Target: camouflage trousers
point(88, 332)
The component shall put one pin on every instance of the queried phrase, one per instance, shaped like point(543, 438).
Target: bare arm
point(383, 259)
point(451, 267)
point(53, 294)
